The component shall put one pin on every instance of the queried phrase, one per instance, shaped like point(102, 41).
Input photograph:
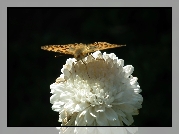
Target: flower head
point(97, 91)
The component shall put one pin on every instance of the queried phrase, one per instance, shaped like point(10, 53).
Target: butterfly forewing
point(66, 49)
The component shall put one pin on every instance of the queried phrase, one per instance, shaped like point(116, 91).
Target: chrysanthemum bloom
point(97, 130)
point(98, 91)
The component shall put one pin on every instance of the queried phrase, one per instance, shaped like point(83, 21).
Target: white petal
point(111, 114)
point(88, 118)
point(102, 120)
point(128, 70)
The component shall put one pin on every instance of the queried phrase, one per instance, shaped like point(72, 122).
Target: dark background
point(147, 32)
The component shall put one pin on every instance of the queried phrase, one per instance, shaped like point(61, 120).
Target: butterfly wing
point(66, 49)
point(101, 46)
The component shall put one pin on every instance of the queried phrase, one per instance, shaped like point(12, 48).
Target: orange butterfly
point(80, 51)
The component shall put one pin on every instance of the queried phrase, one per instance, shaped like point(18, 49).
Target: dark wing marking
point(102, 46)
point(66, 49)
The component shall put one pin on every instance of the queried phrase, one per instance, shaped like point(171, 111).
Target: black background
point(147, 32)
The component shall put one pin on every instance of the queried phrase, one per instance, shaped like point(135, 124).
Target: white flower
point(97, 130)
point(98, 91)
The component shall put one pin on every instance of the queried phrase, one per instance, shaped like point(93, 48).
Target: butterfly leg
point(86, 67)
point(92, 56)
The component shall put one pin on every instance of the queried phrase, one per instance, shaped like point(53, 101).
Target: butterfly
point(80, 50)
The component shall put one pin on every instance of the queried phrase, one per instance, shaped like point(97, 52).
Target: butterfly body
point(79, 51)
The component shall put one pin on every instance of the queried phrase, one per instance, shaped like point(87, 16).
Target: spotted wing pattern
point(66, 49)
point(101, 46)
point(80, 50)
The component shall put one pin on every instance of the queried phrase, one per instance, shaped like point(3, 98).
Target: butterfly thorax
point(80, 53)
